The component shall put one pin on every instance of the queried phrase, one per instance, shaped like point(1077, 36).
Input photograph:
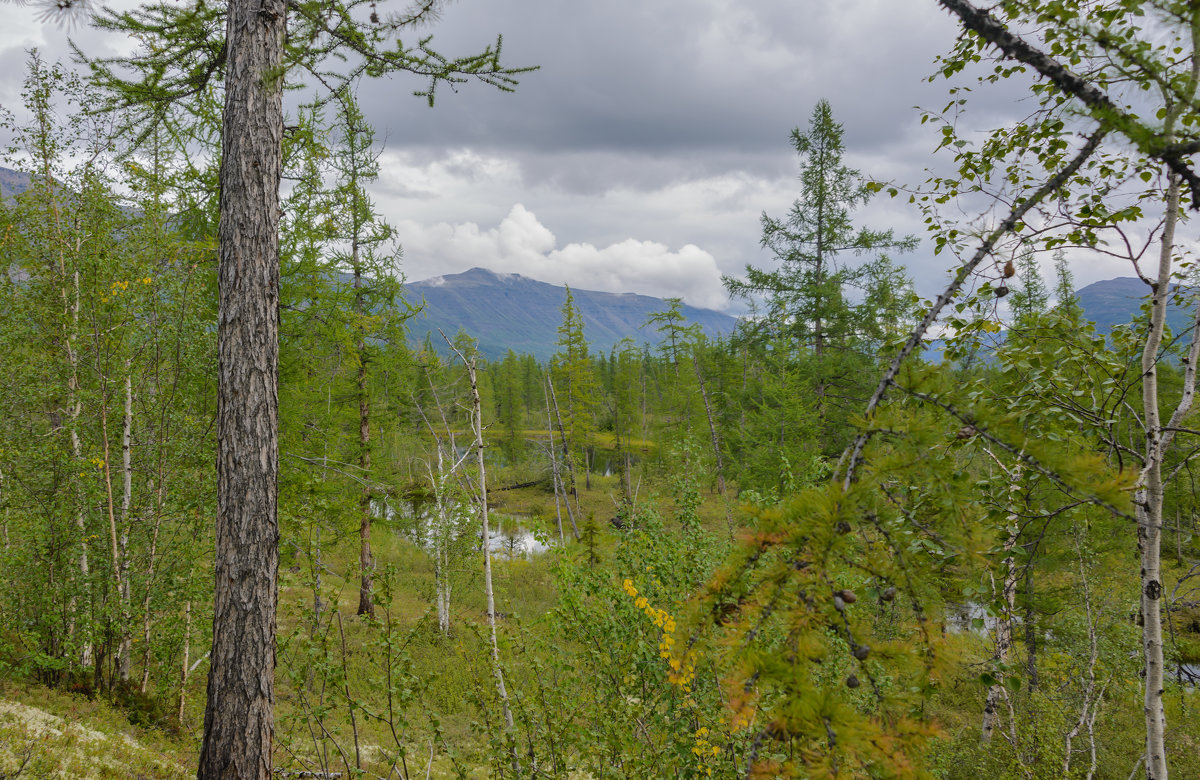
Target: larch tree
point(372, 268)
point(805, 298)
point(251, 50)
point(572, 371)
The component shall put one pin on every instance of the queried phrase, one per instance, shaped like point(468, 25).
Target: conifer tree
point(807, 311)
point(577, 387)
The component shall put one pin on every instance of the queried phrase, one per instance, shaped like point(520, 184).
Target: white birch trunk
point(1148, 498)
point(183, 668)
point(125, 648)
point(489, 593)
point(1003, 633)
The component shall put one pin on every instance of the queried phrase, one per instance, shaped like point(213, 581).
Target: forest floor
point(47, 735)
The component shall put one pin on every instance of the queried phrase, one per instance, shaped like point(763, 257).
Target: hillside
point(510, 311)
point(12, 182)
point(1115, 302)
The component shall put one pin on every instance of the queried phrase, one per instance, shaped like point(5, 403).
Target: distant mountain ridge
point(510, 311)
point(12, 182)
point(1117, 301)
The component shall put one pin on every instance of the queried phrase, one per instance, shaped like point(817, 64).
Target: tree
point(375, 289)
point(571, 367)
point(1060, 41)
point(805, 297)
point(1031, 297)
point(183, 52)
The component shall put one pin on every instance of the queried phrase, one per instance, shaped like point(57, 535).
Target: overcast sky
point(643, 152)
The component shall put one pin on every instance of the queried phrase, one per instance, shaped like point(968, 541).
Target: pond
point(509, 537)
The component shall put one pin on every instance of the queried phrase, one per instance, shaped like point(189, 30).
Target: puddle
point(509, 538)
point(1189, 674)
point(970, 617)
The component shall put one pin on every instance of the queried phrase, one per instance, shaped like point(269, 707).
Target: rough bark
point(238, 718)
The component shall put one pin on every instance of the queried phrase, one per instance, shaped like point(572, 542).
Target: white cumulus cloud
point(522, 244)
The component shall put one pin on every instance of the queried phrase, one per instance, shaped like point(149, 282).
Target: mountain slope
point(12, 182)
point(510, 311)
point(1117, 301)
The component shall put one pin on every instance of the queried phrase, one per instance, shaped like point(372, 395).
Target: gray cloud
point(652, 138)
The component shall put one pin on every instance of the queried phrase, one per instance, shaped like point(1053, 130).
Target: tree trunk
point(183, 668)
point(125, 649)
point(238, 718)
point(566, 448)
point(1008, 596)
point(366, 603)
point(477, 429)
point(1003, 633)
point(117, 538)
point(1148, 501)
point(147, 620)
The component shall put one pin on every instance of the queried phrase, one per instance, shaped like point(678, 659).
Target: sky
point(643, 152)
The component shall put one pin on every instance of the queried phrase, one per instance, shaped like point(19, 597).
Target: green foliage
point(810, 323)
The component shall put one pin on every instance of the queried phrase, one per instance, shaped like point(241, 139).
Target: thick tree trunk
point(238, 718)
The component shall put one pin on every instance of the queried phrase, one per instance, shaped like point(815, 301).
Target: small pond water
point(509, 537)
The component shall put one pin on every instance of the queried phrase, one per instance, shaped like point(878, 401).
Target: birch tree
point(1058, 42)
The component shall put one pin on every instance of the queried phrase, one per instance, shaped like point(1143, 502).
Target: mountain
point(1107, 303)
point(510, 311)
point(12, 182)
point(1115, 302)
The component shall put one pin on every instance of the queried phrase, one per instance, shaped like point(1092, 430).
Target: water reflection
point(509, 538)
